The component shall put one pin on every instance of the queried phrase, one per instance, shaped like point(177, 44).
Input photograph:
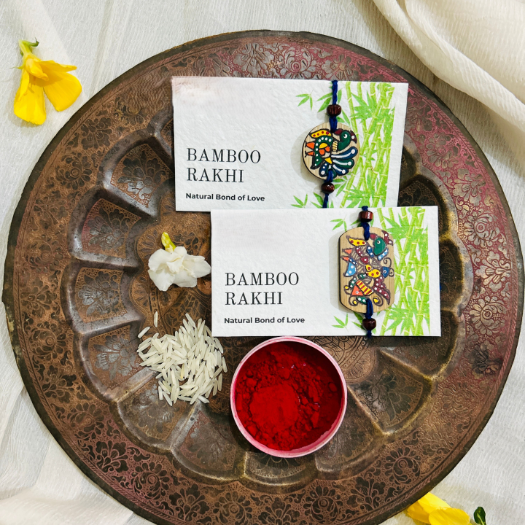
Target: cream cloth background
point(477, 46)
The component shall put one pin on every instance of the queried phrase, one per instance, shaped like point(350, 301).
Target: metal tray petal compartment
point(77, 294)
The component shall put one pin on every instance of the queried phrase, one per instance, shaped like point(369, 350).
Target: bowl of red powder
point(288, 397)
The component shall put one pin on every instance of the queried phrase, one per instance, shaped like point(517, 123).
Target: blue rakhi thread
point(333, 120)
point(368, 315)
point(369, 305)
point(366, 225)
point(329, 179)
point(333, 127)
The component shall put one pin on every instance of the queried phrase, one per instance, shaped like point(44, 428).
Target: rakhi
point(366, 271)
point(331, 149)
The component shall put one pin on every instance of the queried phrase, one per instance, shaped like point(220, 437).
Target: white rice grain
point(188, 364)
point(156, 319)
point(144, 332)
point(183, 398)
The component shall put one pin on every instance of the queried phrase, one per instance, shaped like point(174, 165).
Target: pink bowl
point(316, 445)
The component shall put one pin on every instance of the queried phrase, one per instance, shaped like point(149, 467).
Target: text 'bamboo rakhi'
point(331, 149)
point(366, 270)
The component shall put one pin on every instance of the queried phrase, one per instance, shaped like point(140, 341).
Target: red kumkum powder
point(288, 395)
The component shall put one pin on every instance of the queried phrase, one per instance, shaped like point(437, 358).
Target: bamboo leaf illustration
point(300, 204)
point(320, 200)
point(339, 223)
point(326, 99)
point(305, 98)
point(340, 323)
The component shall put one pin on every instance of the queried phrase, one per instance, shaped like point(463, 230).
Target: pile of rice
point(189, 363)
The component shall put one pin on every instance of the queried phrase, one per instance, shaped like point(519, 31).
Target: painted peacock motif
point(336, 151)
point(369, 265)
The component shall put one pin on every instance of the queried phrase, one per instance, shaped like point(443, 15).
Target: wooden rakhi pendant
point(324, 150)
point(366, 270)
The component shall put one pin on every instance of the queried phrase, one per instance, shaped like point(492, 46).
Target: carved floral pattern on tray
point(415, 405)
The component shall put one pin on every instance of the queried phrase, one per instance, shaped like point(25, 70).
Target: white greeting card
point(238, 142)
point(278, 272)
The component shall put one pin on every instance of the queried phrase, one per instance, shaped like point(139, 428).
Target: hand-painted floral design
point(232, 507)
point(254, 59)
point(45, 254)
point(303, 66)
point(367, 493)
point(418, 117)
point(100, 293)
point(402, 465)
point(110, 456)
point(211, 66)
point(37, 298)
point(131, 116)
point(142, 174)
point(487, 313)
point(109, 229)
point(440, 155)
point(469, 186)
point(457, 401)
point(50, 209)
point(340, 68)
point(480, 227)
point(116, 356)
point(323, 504)
point(96, 132)
point(87, 420)
point(151, 479)
point(495, 269)
point(279, 513)
point(189, 503)
point(57, 385)
point(50, 341)
point(76, 172)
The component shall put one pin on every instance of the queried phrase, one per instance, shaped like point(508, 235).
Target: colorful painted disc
point(324, 150)
point(363, 277)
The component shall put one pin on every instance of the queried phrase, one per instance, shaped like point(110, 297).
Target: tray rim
point(8, 299)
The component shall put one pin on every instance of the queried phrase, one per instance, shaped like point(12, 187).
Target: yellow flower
point(39, 77)
point(433, 510)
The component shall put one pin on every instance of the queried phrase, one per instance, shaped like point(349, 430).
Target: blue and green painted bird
point(335, 151)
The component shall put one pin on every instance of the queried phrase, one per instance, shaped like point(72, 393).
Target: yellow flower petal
point(416, 512)
point(50, 67)
point(29, 101)
point(33, 66)
point(61, 88)
point(449, 517)
point(421, 509)
point(429, 502)
point(24, 84)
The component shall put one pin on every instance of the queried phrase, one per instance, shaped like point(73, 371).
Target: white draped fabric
point(475, 46)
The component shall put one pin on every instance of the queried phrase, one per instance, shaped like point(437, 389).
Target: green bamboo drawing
point(410, 314)
point(371, 116)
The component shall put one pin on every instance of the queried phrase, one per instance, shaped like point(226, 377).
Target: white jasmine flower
point(175, 266)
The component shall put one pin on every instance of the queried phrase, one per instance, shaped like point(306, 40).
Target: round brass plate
point(77, 294)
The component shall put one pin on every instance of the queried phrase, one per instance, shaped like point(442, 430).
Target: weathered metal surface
point(77, 293)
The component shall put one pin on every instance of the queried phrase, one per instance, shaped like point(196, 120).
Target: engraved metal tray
point(77, 294)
